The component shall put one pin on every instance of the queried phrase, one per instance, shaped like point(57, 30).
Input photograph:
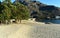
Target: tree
point(15, 11)
point(22, 12)
point(7, 1)
point(1, 14)
point(6, 13)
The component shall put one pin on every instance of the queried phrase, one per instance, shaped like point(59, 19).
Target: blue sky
point(12, 0)
point(49, 2)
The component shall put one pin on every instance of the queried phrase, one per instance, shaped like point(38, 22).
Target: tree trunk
point(17, 21)
point(20, 21)
point(0, 22)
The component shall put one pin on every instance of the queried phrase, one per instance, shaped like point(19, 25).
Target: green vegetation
point(15, 11)
point(19, 10)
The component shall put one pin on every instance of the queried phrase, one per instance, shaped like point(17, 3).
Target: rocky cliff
point(37, 8)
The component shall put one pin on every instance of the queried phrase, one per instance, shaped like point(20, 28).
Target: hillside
point(39, 9)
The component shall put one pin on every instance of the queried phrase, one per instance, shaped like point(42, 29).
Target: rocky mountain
point(37, 8)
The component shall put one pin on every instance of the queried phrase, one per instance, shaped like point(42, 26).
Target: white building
point(57, 17)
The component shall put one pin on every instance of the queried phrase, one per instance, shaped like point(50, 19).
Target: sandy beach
point(30, 30)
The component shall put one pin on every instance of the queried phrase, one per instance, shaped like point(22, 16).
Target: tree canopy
point(15, 11)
